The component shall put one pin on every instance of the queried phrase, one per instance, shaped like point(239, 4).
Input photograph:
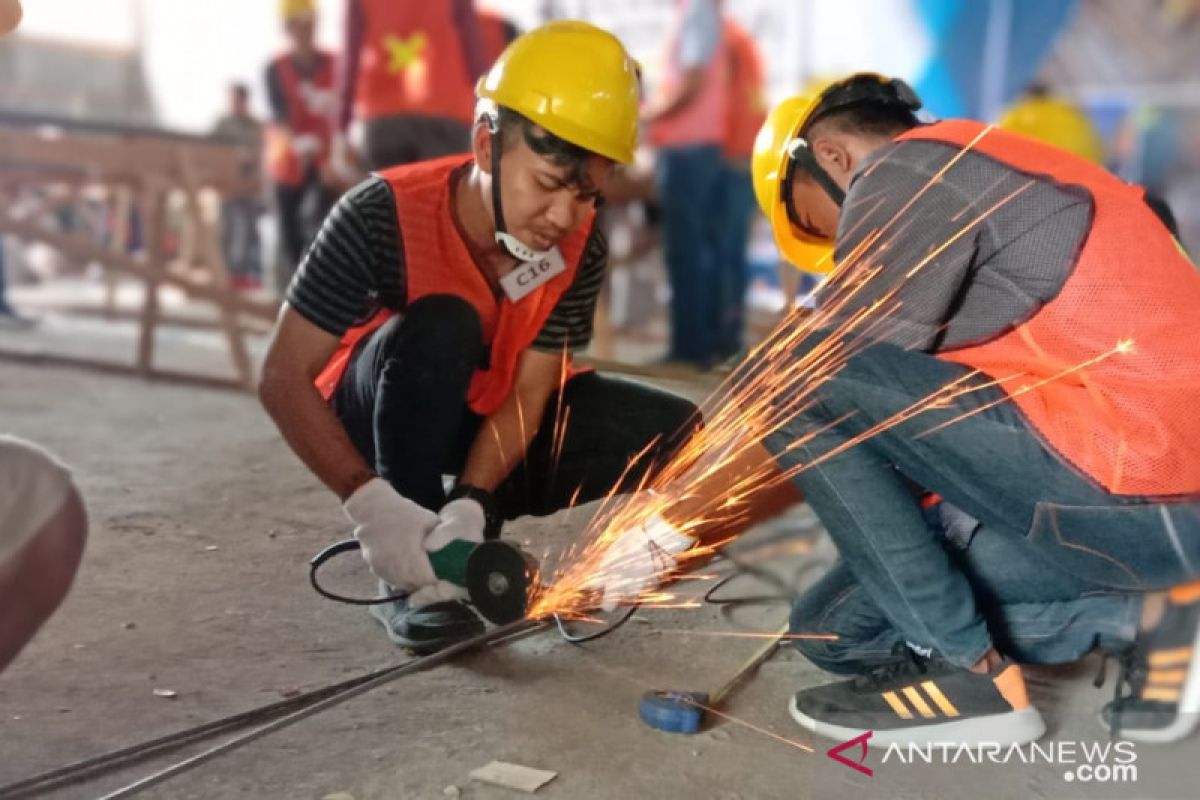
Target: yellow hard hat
point(775, 147)
point(768, 167)
point(576, 81)
point(1057, 122)
point(290, 9)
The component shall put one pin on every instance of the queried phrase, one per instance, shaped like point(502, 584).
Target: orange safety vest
point(496, 34)
point(1130, 421)
point(437, 263)
point(284, 166)
point(747, 98)
point(702, 121)
point(412, 62)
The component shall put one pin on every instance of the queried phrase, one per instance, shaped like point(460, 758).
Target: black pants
point(302, 209)
point(407, 138)
point(403, 403)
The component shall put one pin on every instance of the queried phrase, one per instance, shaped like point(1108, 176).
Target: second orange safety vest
point(747, 93)
point(1129, 421)
point(283, 165)
point(412, 62)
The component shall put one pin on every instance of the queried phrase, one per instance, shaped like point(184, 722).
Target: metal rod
point(417, 665)
point(760, 655)
point(79, 771)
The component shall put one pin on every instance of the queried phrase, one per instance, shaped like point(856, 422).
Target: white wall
point(193, 48)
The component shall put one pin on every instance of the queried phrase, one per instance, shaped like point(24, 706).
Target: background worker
point(43, 524)
point(497, 32)
point(686, 125)
point(241, 205)
point(1054, 120)
point(463, 366)
point(1012, 264)
point(409, 77)
point(301, 87)
point(745, 115)
point(1040, 115)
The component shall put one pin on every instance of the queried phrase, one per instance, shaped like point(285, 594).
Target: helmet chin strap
point(511, 244)
point(802, 156)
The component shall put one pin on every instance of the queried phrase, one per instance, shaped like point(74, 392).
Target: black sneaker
point(1162, 672)
point(923, 701)
point(429, 628)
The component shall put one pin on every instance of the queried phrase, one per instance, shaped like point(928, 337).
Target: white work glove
point(638, 560)
point(392, 530)
point(440, 592)
point(306, 145)
point(459, 519)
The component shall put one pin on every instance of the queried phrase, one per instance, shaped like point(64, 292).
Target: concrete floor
point(195, 581)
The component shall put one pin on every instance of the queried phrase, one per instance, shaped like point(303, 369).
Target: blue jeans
point(732, 265)
point(239, 237)
point(689, 180)
point(1057, 565)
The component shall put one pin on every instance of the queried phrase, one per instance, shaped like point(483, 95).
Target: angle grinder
point(496, 575)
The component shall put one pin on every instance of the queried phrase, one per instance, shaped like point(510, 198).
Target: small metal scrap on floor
point(513, 776)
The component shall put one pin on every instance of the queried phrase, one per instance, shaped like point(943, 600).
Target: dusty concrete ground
point(195, 581)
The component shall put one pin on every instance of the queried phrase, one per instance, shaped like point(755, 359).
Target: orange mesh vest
point(437, 263)
point(283, 165)
point(747, 95)
point(1130, 421)
point(412, 62)
point(702, 121)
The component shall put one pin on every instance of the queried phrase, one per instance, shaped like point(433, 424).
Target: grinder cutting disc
point(498, 580)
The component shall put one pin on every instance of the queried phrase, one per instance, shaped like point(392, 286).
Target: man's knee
point(34, 487)
point(43, 528)
point(56, 548)
point(446, 323)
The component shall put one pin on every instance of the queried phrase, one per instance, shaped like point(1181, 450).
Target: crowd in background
point(401, 89)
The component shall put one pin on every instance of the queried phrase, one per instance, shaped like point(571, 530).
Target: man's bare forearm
point(314, 433)
point(505, 436)
point(503, 440)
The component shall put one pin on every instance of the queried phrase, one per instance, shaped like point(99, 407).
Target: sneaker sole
point(1189, 709)
point(1179, 730)
point(1014, 727)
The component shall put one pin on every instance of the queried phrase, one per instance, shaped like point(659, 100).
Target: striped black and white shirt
point(356, 266)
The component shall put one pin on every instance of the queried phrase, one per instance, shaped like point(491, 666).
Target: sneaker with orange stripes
point(1163, 675)
point(924, 701)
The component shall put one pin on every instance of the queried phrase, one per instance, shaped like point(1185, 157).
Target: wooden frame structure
point(142, 169)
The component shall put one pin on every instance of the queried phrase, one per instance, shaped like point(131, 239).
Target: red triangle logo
point(835, 753)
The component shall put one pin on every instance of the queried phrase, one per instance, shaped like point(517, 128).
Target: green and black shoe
point(923, 701)
point(427, 629)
